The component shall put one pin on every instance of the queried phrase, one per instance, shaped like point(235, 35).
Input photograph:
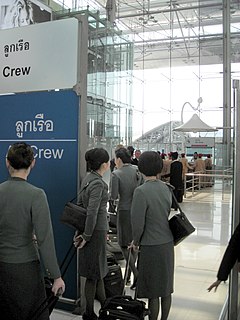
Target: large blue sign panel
point(48, 121)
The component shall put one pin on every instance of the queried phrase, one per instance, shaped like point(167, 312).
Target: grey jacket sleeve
point(95, 191)
point(138, 213)
point(114, 187)
point(231, 256)
point(43, 229)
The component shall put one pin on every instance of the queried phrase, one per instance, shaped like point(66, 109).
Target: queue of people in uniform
point(144, 206)
point(197, 165)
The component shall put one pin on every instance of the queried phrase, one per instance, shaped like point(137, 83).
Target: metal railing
point(195, 181)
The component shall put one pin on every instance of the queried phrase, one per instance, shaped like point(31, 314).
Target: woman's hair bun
point(96, 157)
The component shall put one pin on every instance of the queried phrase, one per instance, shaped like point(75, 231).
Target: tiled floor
point(197, 258)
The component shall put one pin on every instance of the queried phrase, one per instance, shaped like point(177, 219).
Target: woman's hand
point(78, 241)
point(133, 246)
point(58, 287)
point(214, 285)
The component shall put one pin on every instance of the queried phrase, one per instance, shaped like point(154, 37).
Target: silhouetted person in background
point(230, 257)
point(176, 179)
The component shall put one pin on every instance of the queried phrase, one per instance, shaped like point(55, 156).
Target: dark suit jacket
point(175, 174)
point(231, 255)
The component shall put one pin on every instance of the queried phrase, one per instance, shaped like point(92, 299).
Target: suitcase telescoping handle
point(127, 267)
point(130, 249)
point(51, 300)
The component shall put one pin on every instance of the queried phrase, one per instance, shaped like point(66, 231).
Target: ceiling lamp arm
point(200, 100)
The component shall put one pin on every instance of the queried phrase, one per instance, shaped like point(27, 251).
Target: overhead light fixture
point(197, 108)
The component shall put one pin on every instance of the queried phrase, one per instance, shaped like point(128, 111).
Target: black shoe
point(93, 316)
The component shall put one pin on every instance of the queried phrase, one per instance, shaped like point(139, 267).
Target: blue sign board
point(48, 121)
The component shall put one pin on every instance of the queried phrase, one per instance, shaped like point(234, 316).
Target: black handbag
point(74, 215)
point(179, 224)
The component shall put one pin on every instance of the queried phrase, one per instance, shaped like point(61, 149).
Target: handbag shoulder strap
point(83, 188)
point(86, 185)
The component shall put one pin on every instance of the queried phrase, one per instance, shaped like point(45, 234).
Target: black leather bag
point(181, 227)
point(124, 308)
point(179, 224)
point(74, 215)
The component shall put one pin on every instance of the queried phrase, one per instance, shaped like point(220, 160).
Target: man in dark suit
point(176, 178)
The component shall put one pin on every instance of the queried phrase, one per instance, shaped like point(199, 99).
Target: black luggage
point(123, 307)
point(113, 246)
point(112, 220)
point(51, 300)
point(113, 281)
point(112, 314)
point(111, 259)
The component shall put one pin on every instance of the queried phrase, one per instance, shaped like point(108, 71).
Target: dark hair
point(150, 164)
point(123, 154)
point(174, 155)
point(20, 155)
point(95, 158)
point(131, 150)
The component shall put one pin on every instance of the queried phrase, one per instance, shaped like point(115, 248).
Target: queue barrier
point(196, 181)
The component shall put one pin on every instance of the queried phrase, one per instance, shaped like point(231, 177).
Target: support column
point(226, 84)
point(233, 280)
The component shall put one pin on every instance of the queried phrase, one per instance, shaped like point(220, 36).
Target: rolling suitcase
point(113, 246)
point(111, 259)
point(113, 282)
point(51, 300)
point(123, 307)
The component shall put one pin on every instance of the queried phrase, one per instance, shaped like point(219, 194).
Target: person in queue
point(151, 206)
point(123, 182)
point(92, 243)
point(176, 179)
point(24, 220)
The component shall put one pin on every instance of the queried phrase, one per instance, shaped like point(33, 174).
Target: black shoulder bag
point(74, 215)
point(179, 224)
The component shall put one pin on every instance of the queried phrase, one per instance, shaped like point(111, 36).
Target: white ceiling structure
point(170, 33)
point(176, 32)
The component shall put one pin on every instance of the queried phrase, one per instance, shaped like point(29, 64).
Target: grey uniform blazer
point(94, 198)
point(123, 183)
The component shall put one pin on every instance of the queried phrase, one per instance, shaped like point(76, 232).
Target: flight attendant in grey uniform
point(24, 219)
point(151, 207)
point(123, 182)
point(92, 242)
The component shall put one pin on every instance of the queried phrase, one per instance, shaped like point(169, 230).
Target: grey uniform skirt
point(124, 228)
point(22, 290)
point(93, 257)
point(156, 270)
